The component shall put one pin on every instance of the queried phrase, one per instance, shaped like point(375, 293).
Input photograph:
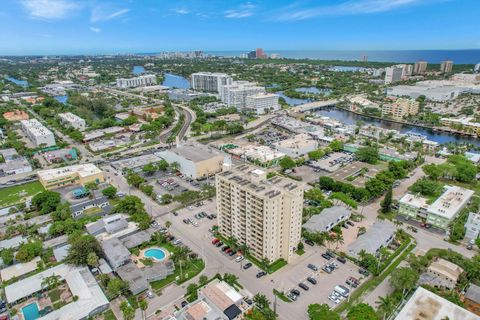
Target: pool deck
point(141, 255)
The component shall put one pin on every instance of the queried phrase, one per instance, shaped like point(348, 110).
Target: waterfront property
point(441, 212)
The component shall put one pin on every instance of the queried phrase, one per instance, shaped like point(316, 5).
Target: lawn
point(281, 296)
point(15, 194)
point(188, 272)
point(54, 295)
point(108, 315)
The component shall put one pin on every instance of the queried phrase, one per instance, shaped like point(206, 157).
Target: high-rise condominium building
point(235, 95)
point(394, 73)
point(446, 66)
point(262, 103)
point(264, 214)
point(420, 67)
point(210, 82)
point(476, 69)
point(259, 53)
point(400, 108)
point(141, 81)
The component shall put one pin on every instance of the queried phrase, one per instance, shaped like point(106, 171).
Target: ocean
point(397, 56)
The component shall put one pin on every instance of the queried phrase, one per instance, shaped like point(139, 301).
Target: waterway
point(314, 90)
point(22, 83)
point(292, 101)
point(351, 118)
point(175, 81)
point(137, 70)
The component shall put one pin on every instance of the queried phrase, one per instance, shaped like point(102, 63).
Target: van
point(342, 290)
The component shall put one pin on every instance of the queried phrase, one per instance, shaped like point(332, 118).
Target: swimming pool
point(30, 312)
point(155, 253)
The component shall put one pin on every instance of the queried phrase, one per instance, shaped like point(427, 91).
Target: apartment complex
point(441, 212)
point(141, 81)
point(466, 124)
point(446, 66)
point(400, 108)
point(472, 226)
point(394, 73)
point(77, 174)
point(441, 274)
point(262, 103)
point(72, 120)
point(235, 95)
point(420, 67)
point(38, 133)
point(264, 214)
point(210, 82)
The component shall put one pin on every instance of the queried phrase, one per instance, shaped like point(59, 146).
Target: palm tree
point(50, 282)
point(180, 257)
point(168, 224)
point(143, 304)
point(229, 278)
point(386, 305)
point(261, 301)
point(175, 166)
point(339, 240)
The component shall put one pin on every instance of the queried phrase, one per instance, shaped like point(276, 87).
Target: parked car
point(326, 256)
point(292, 296)
point(150, 294)
point(239, 258)
point(327, 269)
point(261, 274)
point(312, 280)
point(310, 242)
point(219, 244)
point(350, 223)
point(225, 248)
point(364, 272)
point(247, 265)
point(341, 259)
point(177, 242)
point(303, 286)
point(312, 267)
point(186, 221)
point(295, 292)
point(215, 241)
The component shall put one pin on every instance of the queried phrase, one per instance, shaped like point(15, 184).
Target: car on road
point(303, 286)
point(312, 267)
point(341, 259)
point(247, 265)
point(261, 274)
point(312, 280)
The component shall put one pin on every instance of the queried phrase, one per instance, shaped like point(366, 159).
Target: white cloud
point(95, 29)
point(50, 9)
point(244, 11)
point(105, 13)
point(181, 11)
point(350, 7)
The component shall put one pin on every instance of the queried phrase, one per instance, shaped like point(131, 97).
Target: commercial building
point(264, 155)
point(72, 120)
point(262, 103)
point(327, 219)
point(446, 66)
point(216, 301)
point(441, 212)
point(394, 73)
point(235, 95)
point(441, 274)
point(38, 133)
point(12, 163)
point(141, 81)
point(297, 146)
point(264, 214)
point(135, 163)
point(400, 108)
point(96, 134)
point(426, 305)
point(210, 82)
point(420, 67)
point(379, 235)
point(195, 160)
point(90, 298)
point(472, 226)
point(465, 124)
point(77, 174)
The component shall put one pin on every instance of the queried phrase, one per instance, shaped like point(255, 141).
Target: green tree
point(336, 145)
point(116, 287)
point(387, 201)
point(149, 169)
point(321, 312)
point(167, 198)
point(143, 304)
point(433, 171)
point(80, 247)
point(404, 279)
point(386, 305)
point(109, 192)
point(287, 163)
point(50, 282)
point(92, 259)
point(134, 179)
point(27, 251)
point(261, 301)
point(7, 256)
point(368, 154)
point(127, 311)
point(361, 311)
point(162, 165)
point(46, 201)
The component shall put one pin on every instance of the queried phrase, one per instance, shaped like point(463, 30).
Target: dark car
point(341, 259)
point(184, 303)
point(312, 267)
point(350, 223)
point(303, 286)
point(331, 254)
point(363, 272)
point(312, 280)
point(224, 249)
point(295, 292)
point(310, 242)
point(247, 265)
point(261, 274)
point(232, 253)
point(326, 256)
point(219, 244)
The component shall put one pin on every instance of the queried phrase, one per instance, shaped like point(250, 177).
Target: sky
point(140, 26)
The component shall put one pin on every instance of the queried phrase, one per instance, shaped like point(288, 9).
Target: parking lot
point(164, 183)
point(333, 161)
point(357, 173)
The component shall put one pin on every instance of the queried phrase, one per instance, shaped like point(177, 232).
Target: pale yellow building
point(264, 214)
point(77, 174)
point(400, 108)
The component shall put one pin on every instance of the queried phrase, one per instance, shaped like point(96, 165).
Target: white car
point(333, 299)
point(195, 224)
point(150, 294)
point(239, 258)
point(177, 241)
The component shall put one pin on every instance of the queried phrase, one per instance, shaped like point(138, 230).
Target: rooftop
point(426, 305)
point(193, 152)
point(447, 268)
point(375, 237)
point(135, 162)
point(449, 203)
point(299, 141)
point(414, 200)
point(473, 293)
point(327, 218)
point(83, 170)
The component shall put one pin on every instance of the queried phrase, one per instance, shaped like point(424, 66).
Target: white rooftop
point(450, 202)
point(83, 170)
point(414, 200)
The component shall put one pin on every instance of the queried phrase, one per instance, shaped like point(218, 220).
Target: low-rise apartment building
point(141, 81)
point(441, 274)
point(264, 214)
point(77, 174)
point(441, 212)
point(72, 120)
point(400, 108)
point(38, 133)
point(464, 124)
point(328, 219)
point(472, 226)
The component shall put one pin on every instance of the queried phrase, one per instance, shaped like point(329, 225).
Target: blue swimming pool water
point(155, 253)
point(30, 312)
